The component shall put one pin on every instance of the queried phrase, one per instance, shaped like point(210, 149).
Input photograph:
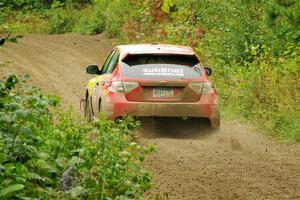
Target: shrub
point(90, 21)
point(265, 93)
point(61, 20)
point(106, 15)
point(52, 154)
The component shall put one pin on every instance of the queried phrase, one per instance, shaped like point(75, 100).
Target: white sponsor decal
point(163, 72)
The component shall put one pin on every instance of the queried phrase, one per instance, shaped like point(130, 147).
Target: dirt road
point(190, 162)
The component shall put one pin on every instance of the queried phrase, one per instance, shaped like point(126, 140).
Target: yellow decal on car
point(91, 85)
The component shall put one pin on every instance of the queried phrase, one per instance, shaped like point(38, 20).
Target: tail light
point(206, 89)
point(123, 87)
point(129, 86)
point(201, 88)
point(197, 87)
point(116, 87)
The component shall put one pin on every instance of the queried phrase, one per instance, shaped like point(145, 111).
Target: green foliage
point(114, 21)
point(90, 21)
point(105, 15)
point(35, 16)
point(266, 93)
point(5, 192)
point(21, 4)
point(83, 16)
point(283, 22)
point(47, 153)
point(61, 19)
point(282, 11)
point(167, 6)
point(38, 4)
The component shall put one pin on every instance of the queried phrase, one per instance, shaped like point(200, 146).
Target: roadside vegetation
point(253, 47)
point(47, 153)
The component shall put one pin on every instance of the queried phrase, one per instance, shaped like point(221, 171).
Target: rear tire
point(100, 109)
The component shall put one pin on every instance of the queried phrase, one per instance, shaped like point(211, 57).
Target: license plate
point(163, 92)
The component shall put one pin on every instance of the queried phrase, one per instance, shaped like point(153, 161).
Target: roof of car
point(156, 49)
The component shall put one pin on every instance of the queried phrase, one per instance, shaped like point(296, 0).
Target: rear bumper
point(116, 105)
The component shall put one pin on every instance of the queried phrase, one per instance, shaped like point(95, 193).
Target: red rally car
point(152, 80)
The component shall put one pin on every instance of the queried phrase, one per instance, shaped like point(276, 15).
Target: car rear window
point(161, 66)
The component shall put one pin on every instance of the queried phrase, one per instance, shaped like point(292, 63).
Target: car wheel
point(100, 109)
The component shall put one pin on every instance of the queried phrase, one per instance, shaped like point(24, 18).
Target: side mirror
point(93, 69)
point(208, 71)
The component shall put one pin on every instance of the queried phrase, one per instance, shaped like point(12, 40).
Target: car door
point(106, 71)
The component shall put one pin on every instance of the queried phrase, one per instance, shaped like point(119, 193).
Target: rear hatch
point(162, 78)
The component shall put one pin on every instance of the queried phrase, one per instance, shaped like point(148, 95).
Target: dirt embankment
point(190, 162)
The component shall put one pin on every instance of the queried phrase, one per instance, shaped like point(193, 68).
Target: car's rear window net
point(161, 67)
point(186, 60)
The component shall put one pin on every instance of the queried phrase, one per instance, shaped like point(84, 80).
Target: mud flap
point(215, 123)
